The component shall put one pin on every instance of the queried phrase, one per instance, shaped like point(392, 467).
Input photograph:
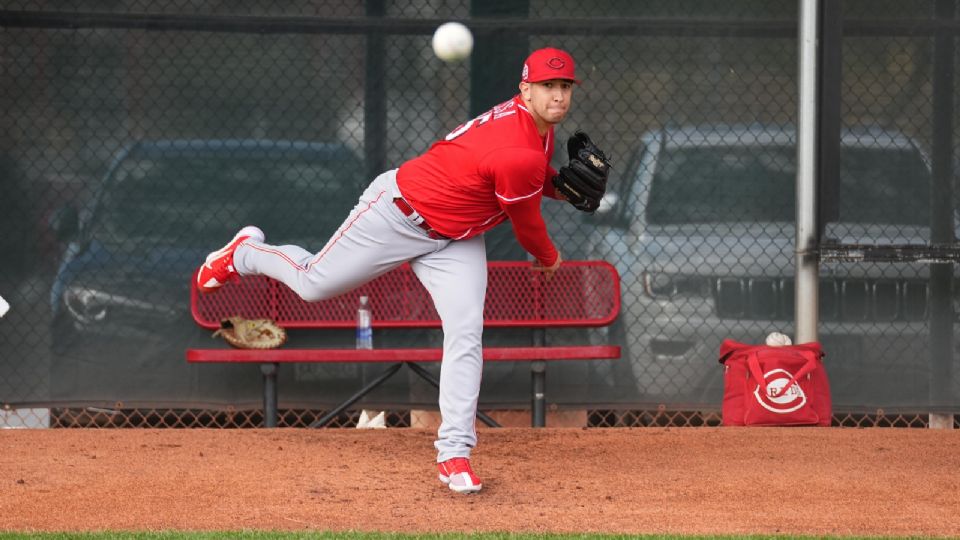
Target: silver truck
point(701, 227)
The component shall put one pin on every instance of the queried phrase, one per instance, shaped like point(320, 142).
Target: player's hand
point(548, 271)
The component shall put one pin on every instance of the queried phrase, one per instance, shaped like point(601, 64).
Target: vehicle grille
point(846, 300)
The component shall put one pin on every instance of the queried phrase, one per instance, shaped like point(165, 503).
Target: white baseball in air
point(776, 339)
point(452, 42)
point(4, 307)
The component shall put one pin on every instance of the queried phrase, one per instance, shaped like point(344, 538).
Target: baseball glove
point(584, 180)
point(251, 333)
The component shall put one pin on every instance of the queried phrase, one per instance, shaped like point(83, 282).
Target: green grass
point(259, 535)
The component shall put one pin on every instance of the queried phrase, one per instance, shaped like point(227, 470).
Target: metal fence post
point(941, 220)
point(806, 236)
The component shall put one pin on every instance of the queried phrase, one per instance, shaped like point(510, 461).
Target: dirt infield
point(642, 480)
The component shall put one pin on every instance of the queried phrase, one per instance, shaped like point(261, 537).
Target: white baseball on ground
point(452, 41)
point(776, 339)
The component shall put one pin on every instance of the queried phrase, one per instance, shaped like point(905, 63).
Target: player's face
point(548, 101)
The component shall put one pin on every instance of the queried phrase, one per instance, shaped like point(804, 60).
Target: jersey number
point(462, 128)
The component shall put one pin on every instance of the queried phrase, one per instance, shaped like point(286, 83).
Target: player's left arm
point(583, 181)
point(549, 190)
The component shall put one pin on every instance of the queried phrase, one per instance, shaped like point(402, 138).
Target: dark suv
point(120, 300)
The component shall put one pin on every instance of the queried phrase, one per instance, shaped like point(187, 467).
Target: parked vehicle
point(701, 227)
point(120, 299)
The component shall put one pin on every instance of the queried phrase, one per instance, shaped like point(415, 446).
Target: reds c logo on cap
point(547, 64)
point(556, 63)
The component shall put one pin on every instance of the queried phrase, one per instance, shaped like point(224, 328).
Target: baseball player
point(432, 212)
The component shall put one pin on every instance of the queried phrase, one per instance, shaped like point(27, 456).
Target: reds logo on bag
point(774, 386)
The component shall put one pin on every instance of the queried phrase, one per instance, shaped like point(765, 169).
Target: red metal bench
point(580, 294)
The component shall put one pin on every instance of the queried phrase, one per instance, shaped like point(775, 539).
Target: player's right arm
point(518, 181)
point(531, 230)
point(548, 270)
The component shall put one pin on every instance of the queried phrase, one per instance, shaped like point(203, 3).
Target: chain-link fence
point(139, 135)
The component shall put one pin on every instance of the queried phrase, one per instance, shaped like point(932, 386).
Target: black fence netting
point(139, 136)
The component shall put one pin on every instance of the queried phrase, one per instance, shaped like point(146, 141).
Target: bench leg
point(269, 394)
point(325, 419)
point(427, 376)
point(538, 382)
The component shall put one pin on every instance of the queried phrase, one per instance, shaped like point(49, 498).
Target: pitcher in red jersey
point(432, 212)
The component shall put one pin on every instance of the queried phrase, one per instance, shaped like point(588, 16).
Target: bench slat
point(580, 294)
point(397, 355)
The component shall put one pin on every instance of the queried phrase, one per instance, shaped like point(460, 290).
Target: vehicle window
point(723, 184)
point(173, 198)
point(758, 184)
point(890, 186)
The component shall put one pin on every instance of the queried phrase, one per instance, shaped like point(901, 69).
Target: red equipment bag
point(774, 386)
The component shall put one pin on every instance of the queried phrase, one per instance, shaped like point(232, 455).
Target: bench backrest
point(581, 293)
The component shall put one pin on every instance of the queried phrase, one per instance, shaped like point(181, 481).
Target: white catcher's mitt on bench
point(251, 333)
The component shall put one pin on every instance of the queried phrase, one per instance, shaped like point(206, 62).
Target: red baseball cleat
point(458, 475)
point(218, 268)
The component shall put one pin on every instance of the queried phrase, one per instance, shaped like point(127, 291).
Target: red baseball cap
point(548, 63)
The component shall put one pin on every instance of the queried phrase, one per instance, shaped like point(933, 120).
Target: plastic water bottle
point(364, 324)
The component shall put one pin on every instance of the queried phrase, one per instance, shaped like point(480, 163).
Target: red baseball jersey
point(463, 184)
